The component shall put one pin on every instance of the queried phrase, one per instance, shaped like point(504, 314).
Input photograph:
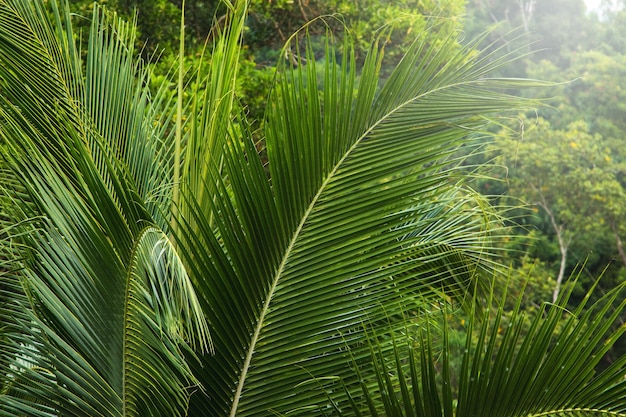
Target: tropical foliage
point(156, 260)
point(567, 161)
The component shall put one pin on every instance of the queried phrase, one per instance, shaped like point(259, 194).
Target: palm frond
point(360, 215)
point(123, 119)
point(510, 367)
point(212, 108)
point(111, 311)
point(363, 207)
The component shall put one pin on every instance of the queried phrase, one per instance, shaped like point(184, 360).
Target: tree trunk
point(618, 242)
point(559, 279)
point(563, 246)
point(527, 10)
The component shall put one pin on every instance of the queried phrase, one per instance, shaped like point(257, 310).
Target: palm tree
point(155, 264)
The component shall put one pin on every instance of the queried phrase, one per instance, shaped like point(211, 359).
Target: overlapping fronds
point(512, 365)
point(133, 220)
point(106, 309)
point(363, 207)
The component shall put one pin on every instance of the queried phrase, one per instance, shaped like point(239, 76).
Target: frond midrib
point(127, 293)
point(296, 234)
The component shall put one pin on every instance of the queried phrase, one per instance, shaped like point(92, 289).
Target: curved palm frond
point(364, 207)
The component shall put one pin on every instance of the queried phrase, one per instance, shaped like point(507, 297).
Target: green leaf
point(364, 207)
point(106, 309)
point(548, 367)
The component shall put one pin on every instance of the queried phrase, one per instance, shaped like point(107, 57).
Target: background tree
point(268, 26)
point(587, 66)
point(569, 176)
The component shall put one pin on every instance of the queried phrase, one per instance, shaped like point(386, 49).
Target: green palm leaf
point(360, 216)
point(512, 365)
point(111, 309)
point(364, 207)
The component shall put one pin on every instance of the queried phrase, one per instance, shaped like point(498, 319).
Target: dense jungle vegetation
point(312, 207)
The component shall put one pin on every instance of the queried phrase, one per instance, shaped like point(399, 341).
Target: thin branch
point(618, 242)
point(304, 15)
